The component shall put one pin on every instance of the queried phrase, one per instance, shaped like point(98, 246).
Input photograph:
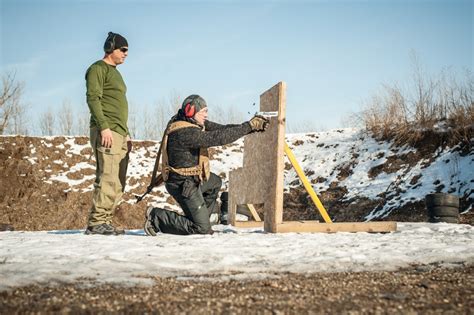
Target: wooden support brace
point(248, 224)
point(314, 226)
point(255, 215)
point(307, 184)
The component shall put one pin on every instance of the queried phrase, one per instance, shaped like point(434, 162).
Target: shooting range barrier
point(260, 179)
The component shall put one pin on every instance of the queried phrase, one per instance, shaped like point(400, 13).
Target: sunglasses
point(123, 49)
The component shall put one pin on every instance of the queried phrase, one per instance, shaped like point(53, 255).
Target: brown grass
point(441, 110)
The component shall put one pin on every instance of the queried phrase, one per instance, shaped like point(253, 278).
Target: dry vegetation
point(439, 109)
point(12, 110)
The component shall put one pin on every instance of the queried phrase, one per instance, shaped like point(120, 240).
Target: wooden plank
point(248, 224)
point(306, 184)
point(263, 164)
point(234, 183)
point(274, 100)
point(254, 213)
point(314, 226)
point(260, 180)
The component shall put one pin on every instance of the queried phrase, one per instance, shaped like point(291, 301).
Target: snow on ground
point(322, 156)
point(231, 253)
point(49, 257)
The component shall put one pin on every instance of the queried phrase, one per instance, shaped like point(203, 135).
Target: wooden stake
point(255, 215)
point(307, 185)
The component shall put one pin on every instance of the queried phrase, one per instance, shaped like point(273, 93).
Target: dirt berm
point(29, 201)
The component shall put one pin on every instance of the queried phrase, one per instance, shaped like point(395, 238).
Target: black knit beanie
point(120, 41)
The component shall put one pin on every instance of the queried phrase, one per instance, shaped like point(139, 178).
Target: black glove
point(259, 123)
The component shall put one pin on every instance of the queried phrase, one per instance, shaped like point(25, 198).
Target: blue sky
point(332, 54)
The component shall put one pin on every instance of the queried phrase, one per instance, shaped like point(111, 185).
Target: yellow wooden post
point(254, 212)
point(307, 185)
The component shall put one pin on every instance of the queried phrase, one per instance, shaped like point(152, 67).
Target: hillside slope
point(47, 181)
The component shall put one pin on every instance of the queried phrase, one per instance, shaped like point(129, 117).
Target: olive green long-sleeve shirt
point(106, 97)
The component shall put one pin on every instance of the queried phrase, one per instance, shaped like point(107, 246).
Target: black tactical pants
point(198, 202)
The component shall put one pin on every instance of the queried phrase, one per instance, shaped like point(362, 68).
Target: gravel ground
point(27, 205)
point(419, 290)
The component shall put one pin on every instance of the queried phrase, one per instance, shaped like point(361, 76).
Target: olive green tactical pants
point(197, 207)
point(111, 172)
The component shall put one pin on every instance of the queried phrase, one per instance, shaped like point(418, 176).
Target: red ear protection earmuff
point(189, 110)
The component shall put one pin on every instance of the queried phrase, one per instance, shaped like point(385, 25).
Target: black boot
point(224, 208)
point(148, 226)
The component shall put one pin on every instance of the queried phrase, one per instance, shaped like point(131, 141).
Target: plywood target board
point(260, 180)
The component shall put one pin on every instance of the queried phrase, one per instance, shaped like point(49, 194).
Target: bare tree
point(66, 118)
point(82, 124)
point(218, 115)
point(132, 121)
point(17, 122)
point(226, 115)
point(47, 121)
point(150, 130)
point(162, 116)
point(233, 115)
point(174, 102)
point(10, 104)
point(164, 110)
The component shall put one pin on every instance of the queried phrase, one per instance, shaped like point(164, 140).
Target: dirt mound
point(28, 202)
point(299, 206)
point(47, 184)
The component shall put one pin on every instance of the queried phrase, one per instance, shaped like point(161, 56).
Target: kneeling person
point(186, 172)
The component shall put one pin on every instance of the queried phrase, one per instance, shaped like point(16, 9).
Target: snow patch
point(230, 253)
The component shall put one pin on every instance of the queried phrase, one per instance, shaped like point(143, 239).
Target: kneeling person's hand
point(259, 123)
